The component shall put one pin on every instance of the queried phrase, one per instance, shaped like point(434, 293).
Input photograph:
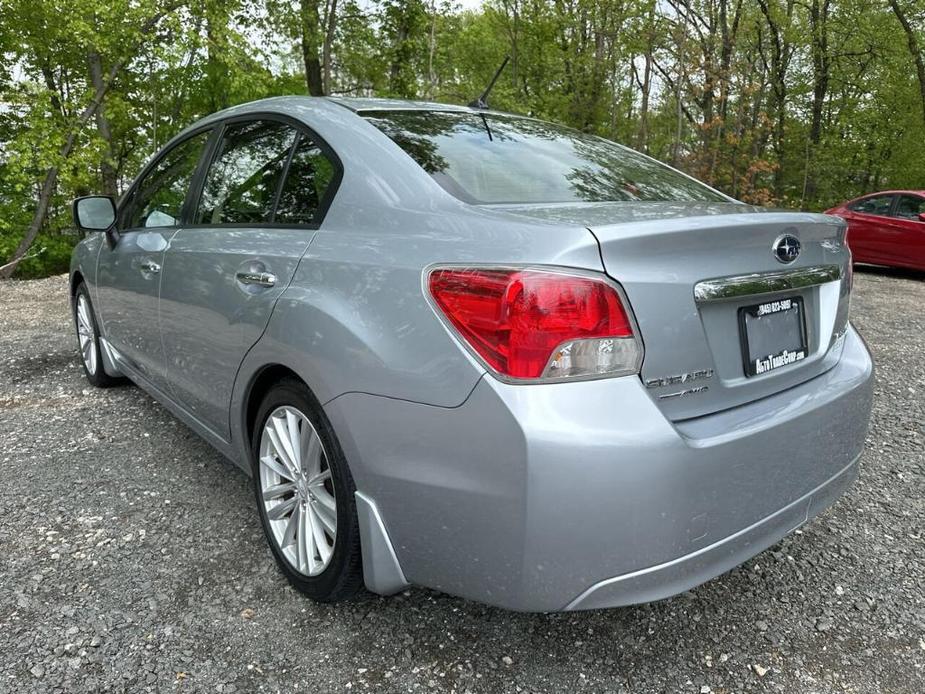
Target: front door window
point(878, 205)
point(157, 200)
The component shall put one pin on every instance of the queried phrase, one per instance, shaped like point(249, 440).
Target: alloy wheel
point(85, 334)
point(297, 490)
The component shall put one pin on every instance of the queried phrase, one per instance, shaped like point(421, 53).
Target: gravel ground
point(131, 559)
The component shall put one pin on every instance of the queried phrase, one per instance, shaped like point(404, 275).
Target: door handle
point(260, 279)
point(150, 266)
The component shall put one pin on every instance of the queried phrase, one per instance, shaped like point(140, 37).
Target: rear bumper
point(683, 573)
point(582, 495)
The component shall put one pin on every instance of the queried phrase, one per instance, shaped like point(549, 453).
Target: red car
point(886, 228)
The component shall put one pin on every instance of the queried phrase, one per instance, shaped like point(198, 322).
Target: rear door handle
point(260, 279)
point(150, 266)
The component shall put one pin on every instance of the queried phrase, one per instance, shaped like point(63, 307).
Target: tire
point(88, 339)
point(295, 506)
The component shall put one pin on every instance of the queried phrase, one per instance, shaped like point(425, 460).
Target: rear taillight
point(530, 324)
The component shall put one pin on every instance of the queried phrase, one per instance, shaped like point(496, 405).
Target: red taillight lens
point(529, 324)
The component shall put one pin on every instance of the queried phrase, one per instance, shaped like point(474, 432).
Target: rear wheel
point(305, 495)
point(88, 340)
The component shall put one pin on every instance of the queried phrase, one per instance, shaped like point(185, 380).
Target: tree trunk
point(404, 19)
point(642, 139)
point(330, 28)
point(431, 48)
point(310, 26)
point(53, 93)
point(107, 170)
point(781, 52)
point(819, 16)
point(914, 49)
point(676, 150)
point(818, 22)
point(729, 36)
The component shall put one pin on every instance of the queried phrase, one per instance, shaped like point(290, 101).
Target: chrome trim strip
point(764, 283)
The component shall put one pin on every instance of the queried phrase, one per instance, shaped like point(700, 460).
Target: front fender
point(83, 262)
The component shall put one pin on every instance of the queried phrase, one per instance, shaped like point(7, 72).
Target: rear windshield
point(490, 158)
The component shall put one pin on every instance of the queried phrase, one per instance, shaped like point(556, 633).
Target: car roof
point(357, 104)
point(890, 192)
point(331, 106)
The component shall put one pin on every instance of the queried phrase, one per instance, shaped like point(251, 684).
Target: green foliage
point(799, 104)
point(50, 254)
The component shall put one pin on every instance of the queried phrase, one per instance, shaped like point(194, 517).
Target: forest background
point(791, 103)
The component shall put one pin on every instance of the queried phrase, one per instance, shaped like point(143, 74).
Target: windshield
point(490, 158)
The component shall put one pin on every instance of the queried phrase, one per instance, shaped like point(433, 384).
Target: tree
point(134, 27)
point(785, 102)
point(914, 50)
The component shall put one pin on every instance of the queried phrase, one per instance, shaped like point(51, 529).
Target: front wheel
point(305, 495)
point(88, 340)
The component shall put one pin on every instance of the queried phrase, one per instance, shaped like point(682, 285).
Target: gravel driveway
point(131, 559)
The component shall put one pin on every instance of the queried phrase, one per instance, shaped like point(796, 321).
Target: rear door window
point(307, 182)
point(879, 205)
point(910, 207)
point(244, 177)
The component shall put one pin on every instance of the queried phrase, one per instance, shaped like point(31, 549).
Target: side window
point(157, 200)
point(310, 174)
point(910, 207)
point(879, 204)
point(241, 184)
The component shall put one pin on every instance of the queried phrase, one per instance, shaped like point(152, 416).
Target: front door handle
point(150, 266)
point(260, 279)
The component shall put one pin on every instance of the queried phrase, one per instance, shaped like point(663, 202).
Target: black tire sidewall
point(343, 575)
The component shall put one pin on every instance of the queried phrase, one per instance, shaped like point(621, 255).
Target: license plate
point(773, 335)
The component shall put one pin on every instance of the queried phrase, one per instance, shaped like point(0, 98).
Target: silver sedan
point(479, 352)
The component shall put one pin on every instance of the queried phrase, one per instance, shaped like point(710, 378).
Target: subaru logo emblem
point(787, 248)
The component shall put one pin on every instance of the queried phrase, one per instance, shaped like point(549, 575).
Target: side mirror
point(95, 213)
point(922, 217)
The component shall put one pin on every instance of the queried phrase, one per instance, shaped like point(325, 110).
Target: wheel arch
point(381, 569)
point(260, 384)
point(76, 279)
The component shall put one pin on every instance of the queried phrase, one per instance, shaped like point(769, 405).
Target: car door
point(260, 201)
point(129, 271)
point(907, 237)
point(869, 217)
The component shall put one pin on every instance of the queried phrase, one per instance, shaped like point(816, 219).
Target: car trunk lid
point(690, 270)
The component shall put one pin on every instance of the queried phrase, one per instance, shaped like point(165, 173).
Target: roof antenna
point(482, 102)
